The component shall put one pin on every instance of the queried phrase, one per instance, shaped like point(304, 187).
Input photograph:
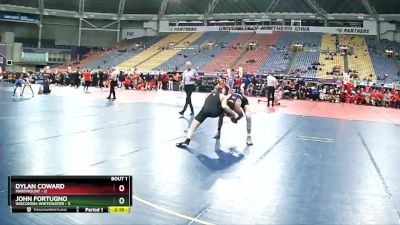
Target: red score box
point(70, 185)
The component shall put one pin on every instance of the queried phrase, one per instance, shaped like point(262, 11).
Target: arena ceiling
point(222, 6)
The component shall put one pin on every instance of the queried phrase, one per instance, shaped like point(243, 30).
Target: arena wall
point(65, 31)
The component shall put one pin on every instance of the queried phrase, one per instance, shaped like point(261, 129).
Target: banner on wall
point(260, 29)
point(133, 33)
point(18, 17)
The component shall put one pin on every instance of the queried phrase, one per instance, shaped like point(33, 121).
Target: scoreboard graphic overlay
point(70, 194)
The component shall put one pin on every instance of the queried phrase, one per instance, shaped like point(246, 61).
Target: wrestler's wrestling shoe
point(218, 135)
point(249, 141)
point(183, 144)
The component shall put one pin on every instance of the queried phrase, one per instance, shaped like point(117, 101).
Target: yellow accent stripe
point(170, 211)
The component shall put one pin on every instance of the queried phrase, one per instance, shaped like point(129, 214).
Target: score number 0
point(121, 200)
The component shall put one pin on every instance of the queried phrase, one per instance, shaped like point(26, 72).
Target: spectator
point(271, 85)
point(128, 83)
point(164, 80)
point(88, 80)
point(159, 82)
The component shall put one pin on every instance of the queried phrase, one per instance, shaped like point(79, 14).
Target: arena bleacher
point(196, 52)
point(253, 59)
point(305, 64)
point(230, 55)
point(215, 51)
point(123, 52)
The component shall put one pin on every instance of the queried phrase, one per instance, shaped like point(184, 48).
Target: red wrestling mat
point(294, 107)
point(339, 111)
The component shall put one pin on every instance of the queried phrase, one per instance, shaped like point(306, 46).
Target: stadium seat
point(152, 51)
point(116, 57)
point(329, 44)
point(360, 60)
point(303, 61)
point(260, 54)
point(164, 55)
point(382, 64)
point(229, 56)
point(198, 58)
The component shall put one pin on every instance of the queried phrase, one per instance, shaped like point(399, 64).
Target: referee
point(113, 83)
point(189, 77)
point(271, 84)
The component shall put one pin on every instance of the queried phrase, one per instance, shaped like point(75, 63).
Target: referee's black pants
point(113, 84)
point(189, 89)
point(271, 94)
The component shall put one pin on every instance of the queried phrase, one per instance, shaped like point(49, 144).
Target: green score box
point(69, 200)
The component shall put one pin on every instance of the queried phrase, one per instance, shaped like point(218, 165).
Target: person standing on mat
point(27, 83)
point(240, 104)
point(271, 84)
point(189, 77)
point(77, 78)
point(214, 106)
point(88, 80)
point(18, 84)
point(113, 83)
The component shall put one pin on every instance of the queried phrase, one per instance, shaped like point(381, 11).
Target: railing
point(45, 57)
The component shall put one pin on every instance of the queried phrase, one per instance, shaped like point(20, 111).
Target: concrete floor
point(302, 169)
